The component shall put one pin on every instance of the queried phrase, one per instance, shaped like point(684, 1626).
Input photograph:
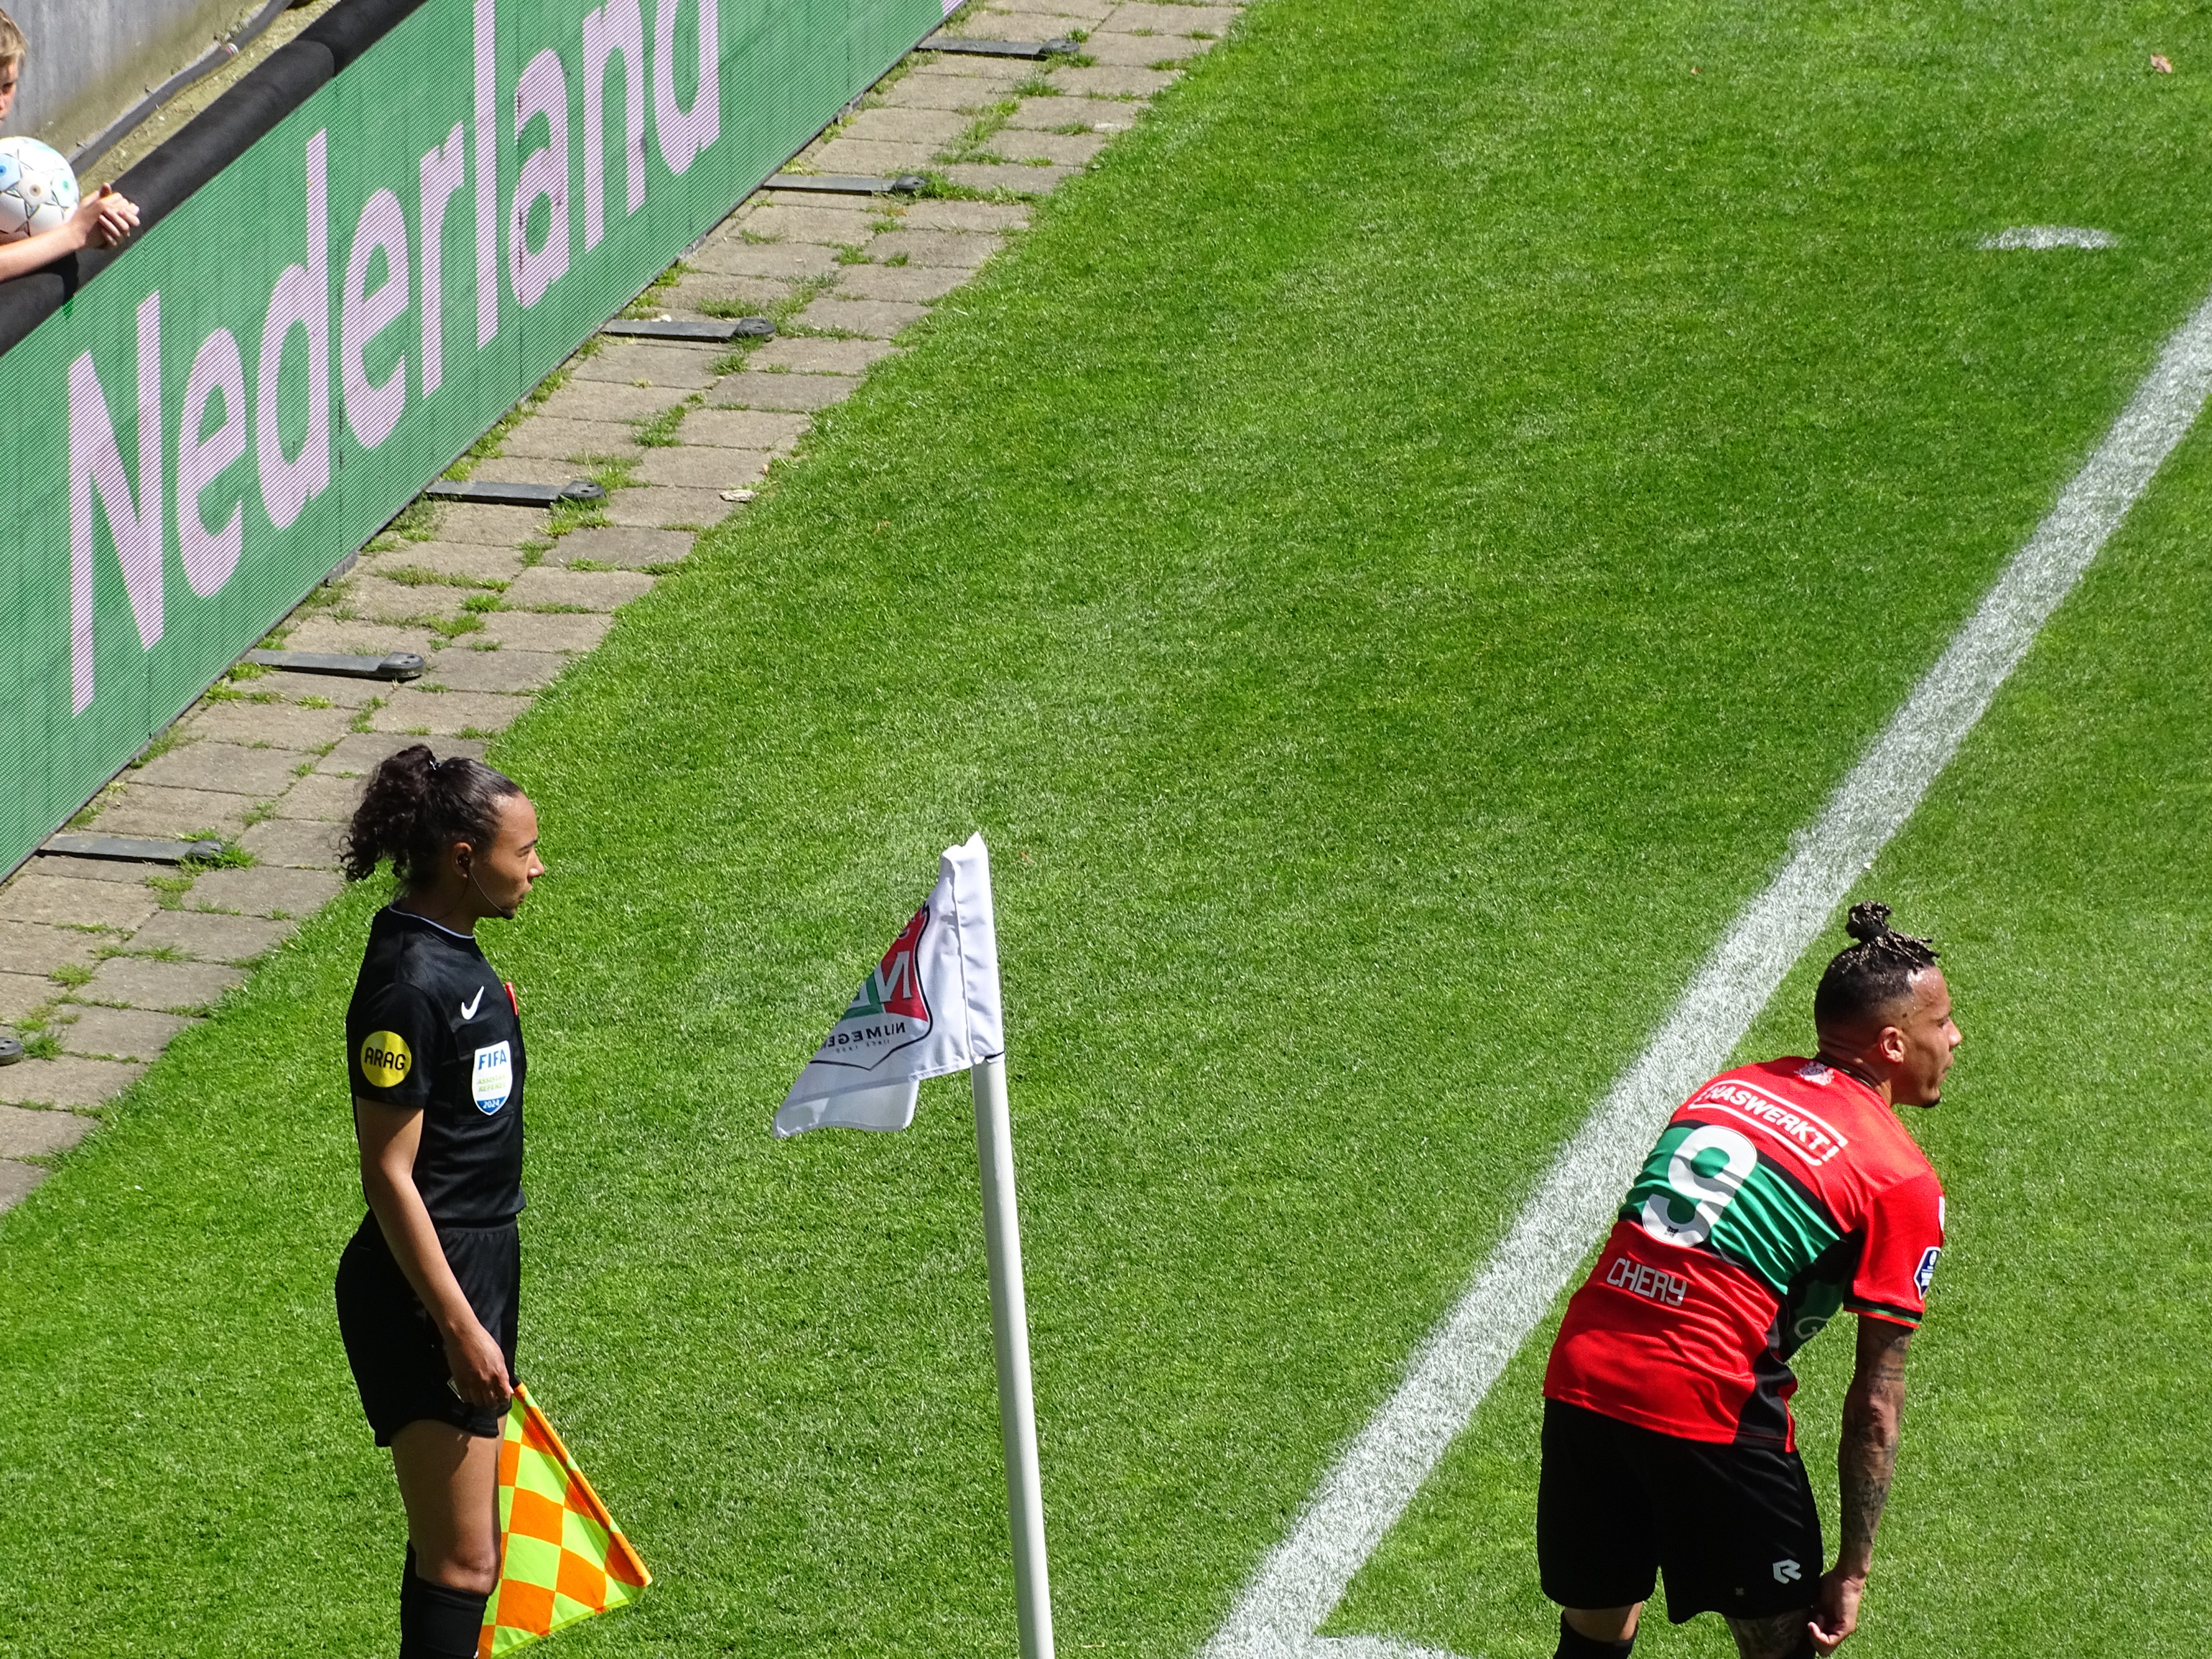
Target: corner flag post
point(1010, 1331)
point(932, 1008)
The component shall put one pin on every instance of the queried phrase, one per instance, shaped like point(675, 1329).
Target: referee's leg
point(449, 1483)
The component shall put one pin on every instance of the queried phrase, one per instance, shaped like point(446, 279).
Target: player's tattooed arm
point(1874, 1416)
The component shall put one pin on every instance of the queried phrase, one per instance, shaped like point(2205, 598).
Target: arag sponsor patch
point(386, 1059)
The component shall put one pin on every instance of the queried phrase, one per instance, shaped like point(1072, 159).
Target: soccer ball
point(37, 189)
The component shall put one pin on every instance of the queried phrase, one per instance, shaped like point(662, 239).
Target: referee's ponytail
point(415, 806)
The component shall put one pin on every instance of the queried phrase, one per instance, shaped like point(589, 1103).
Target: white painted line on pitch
point(1367, 1647)
point(2041, 239)
point(1360, 1499)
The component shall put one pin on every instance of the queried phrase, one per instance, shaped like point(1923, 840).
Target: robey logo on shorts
point(386, 1059)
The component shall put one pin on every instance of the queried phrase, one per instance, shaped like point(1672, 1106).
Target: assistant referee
point(427, 1287)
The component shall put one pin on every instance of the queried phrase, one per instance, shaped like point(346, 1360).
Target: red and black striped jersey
point(1778, 1194)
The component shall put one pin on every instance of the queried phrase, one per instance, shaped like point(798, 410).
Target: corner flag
point(930, 1008)
point(560, 1556)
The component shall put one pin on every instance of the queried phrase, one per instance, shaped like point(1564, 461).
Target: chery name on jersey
point(1778, 1193)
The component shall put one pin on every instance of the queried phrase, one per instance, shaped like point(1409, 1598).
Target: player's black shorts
point(397, 1357)
point(1733, 1528)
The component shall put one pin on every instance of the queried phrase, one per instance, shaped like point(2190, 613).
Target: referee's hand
point(479, 1368)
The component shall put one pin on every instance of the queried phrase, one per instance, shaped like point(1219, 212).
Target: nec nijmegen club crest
point(889, 1012)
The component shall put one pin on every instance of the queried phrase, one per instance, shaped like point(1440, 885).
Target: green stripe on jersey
point(1703, 1185)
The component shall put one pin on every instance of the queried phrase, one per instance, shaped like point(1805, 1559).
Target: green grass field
point(1387, 562)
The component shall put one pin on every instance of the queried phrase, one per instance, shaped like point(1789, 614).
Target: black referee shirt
point(431, 1028)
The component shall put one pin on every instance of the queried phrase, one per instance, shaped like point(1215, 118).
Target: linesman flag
point(560, 1556)
point(930, 1008)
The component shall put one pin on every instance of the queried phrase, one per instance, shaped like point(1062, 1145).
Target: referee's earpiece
point(506, 912)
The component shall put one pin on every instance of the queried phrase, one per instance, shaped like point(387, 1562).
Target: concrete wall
point(92, 60)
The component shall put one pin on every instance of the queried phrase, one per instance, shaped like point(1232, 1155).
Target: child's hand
point(104, 220)
point(119, 214)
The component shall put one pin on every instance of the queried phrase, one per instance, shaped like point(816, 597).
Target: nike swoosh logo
point(469, 1008)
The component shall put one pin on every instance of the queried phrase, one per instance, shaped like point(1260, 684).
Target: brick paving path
point(102, 963)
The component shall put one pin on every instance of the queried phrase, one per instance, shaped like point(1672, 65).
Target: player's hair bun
point(1867, 921)
point(1869, 976)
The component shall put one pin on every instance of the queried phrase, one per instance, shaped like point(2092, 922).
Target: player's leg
point(1778, 1636)
point(1777, 1548)
point(1595, 1547)
point(449, 1483)
point(1597, 1632)
point(1755, 1556)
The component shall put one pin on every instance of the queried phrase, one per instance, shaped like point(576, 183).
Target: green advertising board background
point(784, 67)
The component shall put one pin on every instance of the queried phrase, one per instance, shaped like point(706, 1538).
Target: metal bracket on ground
point(130, 849)
point(847, 184)
point(484, 492)
point(399, 665)
point(718, 331)
point(1057, 47)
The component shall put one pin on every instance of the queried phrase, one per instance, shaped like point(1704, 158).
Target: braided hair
point(1867, 978)
point(417, 805)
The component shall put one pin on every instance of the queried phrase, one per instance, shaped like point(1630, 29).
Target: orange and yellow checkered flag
point(562, 1557)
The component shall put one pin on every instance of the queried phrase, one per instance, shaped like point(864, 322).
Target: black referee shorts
point(1733, 1528)
point(398, 1359)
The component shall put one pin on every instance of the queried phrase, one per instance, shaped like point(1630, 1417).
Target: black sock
point(435, 1620)
point(408, 1580)
point(1573, 1644)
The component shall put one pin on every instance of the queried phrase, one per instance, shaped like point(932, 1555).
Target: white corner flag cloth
point(930, 1007)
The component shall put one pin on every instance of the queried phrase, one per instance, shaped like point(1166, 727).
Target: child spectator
point(101, 220)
